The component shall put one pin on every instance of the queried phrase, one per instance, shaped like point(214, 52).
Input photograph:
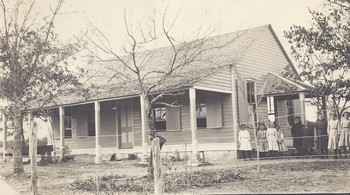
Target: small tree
point(322, 52)
point(33, 62)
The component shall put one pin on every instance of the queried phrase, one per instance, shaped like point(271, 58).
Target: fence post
point(33, 156)
point(157, 164)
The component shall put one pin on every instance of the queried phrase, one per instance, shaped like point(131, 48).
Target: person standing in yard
point(271, 135)
point(332, 130)
point(262, 140)
point(244, 141)
point(297, 133)
point(321, 135)
point(280, 140)
point(308, 131)
point(344, 138)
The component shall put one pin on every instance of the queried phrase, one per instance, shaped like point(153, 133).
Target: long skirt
point(245, 145)
point(322, 142)
point(263, 145)
point(272, 142)
point(344, 137)
point(282, 146)
point(333, 139)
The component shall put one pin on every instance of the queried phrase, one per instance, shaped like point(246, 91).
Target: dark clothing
point(308, 136)
point(297, 135)
point(321, 134)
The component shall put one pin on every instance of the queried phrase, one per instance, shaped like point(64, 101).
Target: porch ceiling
point(275, 85)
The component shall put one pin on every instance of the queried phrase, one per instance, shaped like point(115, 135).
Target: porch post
point(61, 113)
point(4, 130)
point(234, 110)
point(302, 106)
point(143, 129)
point(193, 125)
point(98, 158)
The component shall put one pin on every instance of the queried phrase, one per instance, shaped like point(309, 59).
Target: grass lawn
point(276, 176)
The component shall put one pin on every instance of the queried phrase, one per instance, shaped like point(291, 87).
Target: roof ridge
point(209, 37)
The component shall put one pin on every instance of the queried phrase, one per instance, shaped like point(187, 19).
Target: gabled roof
point(276, 85)
point(226, 49)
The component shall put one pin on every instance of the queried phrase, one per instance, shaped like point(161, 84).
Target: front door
point(125, 134)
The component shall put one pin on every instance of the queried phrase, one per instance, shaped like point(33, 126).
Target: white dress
point(333, 128)
point(271, 134)
point(344, 138)
point(243, 139)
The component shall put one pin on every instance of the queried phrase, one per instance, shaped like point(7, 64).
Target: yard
point(277, 176)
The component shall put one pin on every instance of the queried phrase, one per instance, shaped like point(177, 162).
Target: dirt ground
point(276, 176)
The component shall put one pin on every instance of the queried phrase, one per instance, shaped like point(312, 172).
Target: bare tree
point(33, 62)
point(133, 65)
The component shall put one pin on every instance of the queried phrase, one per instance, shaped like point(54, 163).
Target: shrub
point(172, 183)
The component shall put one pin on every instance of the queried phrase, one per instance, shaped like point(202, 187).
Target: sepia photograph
point(109, 97)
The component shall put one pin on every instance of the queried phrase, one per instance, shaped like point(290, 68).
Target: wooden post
point(157, 164)
point(62, 127)
point(302, 106)
point(143, 129)
point(4, 131)
point(234, 110)
point(33, 155)
point(98, 158)
point(193, 125)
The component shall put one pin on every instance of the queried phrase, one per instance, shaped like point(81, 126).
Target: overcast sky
point(224, 15)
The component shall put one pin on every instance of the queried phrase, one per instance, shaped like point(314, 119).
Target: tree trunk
point(324, 108)
point(158, 171)
point(17, 149)
point(33, 157)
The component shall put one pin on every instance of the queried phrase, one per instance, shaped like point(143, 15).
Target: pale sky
point(226, 15)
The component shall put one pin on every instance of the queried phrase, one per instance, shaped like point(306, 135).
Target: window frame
point(159, 121)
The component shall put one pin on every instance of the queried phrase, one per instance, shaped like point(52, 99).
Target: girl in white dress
point(280, 141)
point(332, 130)
point(271, 134)
point(244, 141)
point(344, 138)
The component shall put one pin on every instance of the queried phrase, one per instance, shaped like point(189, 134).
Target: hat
point(242, 125)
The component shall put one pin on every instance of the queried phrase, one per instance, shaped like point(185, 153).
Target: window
point(160, 118)
point(167, 118)
point(201, 113)
point(68, 126)
point(271, 108)
point(251, 92)
point(290, 112)
point(209, 110)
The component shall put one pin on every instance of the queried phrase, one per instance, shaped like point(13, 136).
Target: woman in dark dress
point(321, 135)
point(297, 134)
point(308, 138)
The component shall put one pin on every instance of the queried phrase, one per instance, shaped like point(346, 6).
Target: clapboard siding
point(89, 142)
point(217, 135)
point(218, 81)
point(227, 117)
point(283, 121)
point(137, 122)
point(108, 119)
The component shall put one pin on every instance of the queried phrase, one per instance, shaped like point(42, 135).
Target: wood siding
point(262, 57)
point(219, 81)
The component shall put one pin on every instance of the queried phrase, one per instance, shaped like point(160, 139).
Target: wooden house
point(215, 96)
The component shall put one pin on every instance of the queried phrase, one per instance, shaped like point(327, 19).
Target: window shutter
point(214, 111)
point(173, 116)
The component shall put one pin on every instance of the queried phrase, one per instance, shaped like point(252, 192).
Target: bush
point(173, 183)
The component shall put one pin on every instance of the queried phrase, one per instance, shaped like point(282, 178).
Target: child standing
point(280, 141)
point(262, 141)
point(332, 130)
point(271, 134)
point(244, 141)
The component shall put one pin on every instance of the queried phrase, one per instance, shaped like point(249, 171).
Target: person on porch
point(297, 135)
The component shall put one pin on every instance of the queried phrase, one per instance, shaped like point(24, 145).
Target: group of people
point(333, 135)
point(325, 135)
point(268, 139)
